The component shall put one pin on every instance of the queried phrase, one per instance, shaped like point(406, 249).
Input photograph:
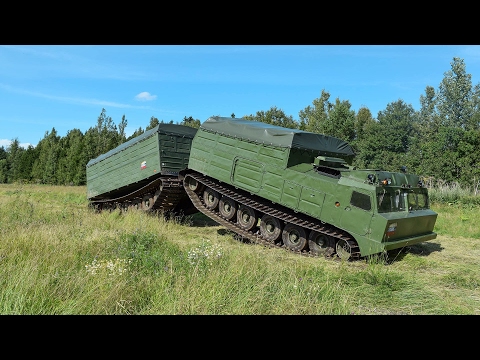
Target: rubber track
point(167, 192)
point(264, 207)
point(168, 195)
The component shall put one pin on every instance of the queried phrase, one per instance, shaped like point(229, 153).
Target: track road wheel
point(270, 228)
point(136, 204)
point(125, 206)
point(147, 202)
point(344, 249)
point(194, 185)
point(227, 208)
point(321, 244)
point(247, 218)
point(294, 237)
point(211, 198)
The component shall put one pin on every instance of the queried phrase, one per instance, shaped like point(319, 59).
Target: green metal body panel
point(163, 150)
point(285, 167)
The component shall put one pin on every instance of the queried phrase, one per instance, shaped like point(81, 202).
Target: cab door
point(357, 214)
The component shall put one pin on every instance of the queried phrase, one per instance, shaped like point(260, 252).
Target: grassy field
point(57, 256)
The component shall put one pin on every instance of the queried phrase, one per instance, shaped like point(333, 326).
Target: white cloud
point(79, 101)
point(6, 143)
point(145, 96)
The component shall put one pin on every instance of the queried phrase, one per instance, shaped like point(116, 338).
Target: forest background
point(440, 142)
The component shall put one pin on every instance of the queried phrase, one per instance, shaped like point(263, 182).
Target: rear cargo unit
point(161, 151)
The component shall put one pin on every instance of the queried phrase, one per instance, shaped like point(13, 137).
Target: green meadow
point(58, 256)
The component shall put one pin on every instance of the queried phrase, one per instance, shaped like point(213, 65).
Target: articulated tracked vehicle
point(270, 185)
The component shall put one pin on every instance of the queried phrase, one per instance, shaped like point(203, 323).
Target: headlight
point(386, 181)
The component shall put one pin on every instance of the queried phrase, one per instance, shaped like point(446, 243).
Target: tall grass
point(57, 256)
point(453, 193)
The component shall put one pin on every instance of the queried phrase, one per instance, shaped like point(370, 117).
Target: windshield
point(391, 200)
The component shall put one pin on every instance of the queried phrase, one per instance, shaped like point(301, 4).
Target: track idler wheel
point(194, 185)
point(344, 249)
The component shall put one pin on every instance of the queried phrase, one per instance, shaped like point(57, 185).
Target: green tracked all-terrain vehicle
point(295, 189)
point(270, 185)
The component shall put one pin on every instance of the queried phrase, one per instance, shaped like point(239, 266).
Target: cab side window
point(361, 201)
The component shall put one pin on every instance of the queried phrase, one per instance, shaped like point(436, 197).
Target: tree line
point(441, 141)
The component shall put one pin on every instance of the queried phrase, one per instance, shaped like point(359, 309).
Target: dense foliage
point(441, 141)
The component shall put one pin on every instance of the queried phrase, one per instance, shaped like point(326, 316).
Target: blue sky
point(66, 86)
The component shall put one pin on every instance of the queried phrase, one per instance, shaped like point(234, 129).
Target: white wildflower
point(111, 267)
point(205, 252)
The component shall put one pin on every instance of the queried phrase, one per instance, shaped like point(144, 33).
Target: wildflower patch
point(205, 253)
point(110, 267)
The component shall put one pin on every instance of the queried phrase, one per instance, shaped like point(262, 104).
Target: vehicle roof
point(267, 134)
point(176, 129)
